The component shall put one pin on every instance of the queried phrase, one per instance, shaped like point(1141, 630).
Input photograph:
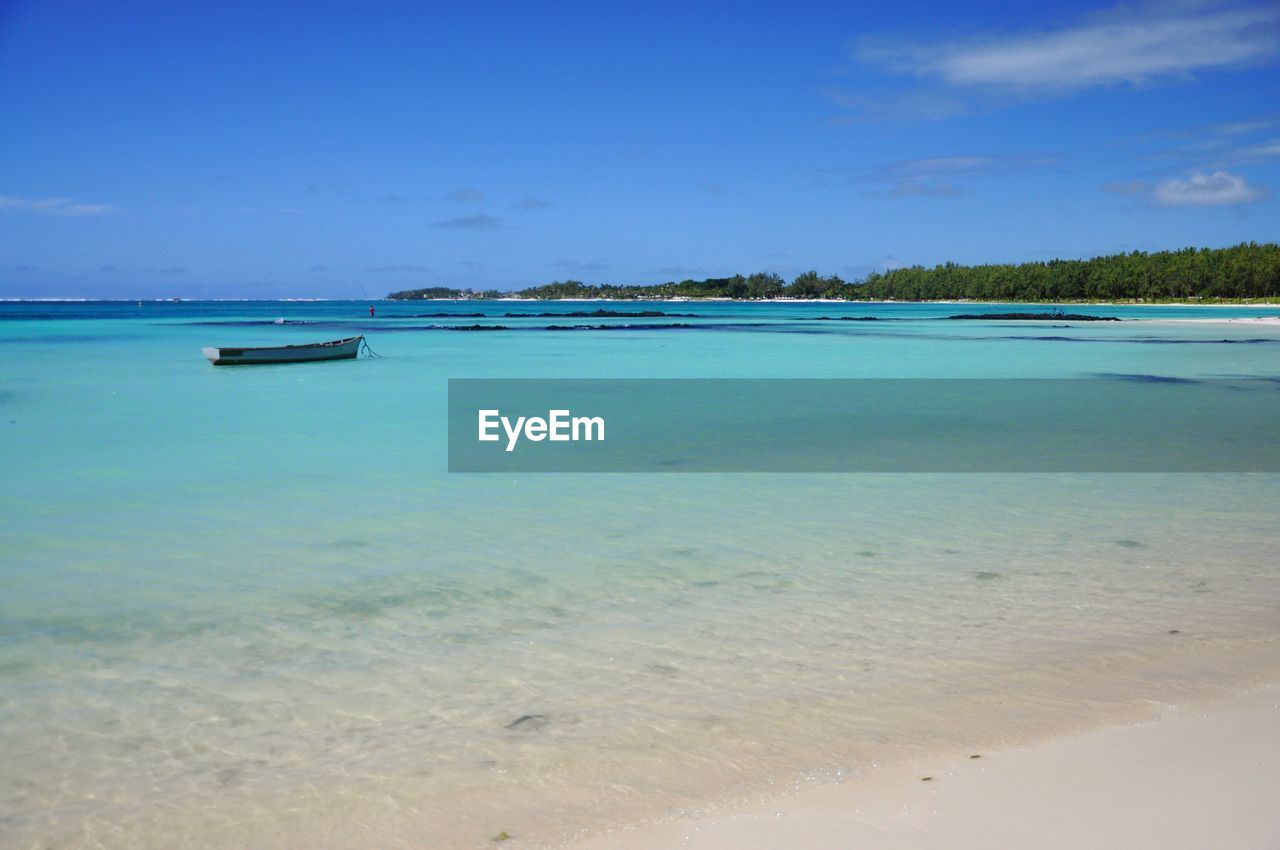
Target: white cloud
point(53, 206)
point(465, 196)
point(1122, 45)
point(1219, 189)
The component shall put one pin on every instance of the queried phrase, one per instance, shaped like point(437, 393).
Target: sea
point(252, 608)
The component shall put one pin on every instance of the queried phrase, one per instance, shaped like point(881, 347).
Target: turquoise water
point(249, 607)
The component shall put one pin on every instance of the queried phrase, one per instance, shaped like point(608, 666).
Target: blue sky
point(269, 149)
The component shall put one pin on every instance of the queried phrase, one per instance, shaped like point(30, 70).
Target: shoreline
point(1195, 775)
point(1272, 321)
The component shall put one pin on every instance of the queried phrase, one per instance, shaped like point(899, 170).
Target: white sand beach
point(1273, 321)
point(1193, 777)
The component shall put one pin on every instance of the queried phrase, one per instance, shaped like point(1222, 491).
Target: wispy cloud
point(529, 202)
point(319, 268)
point(468, 195)
point(1124, 45)
point(902, 105)
point(1218, 189)
point(472, 222)
point(926, 187)
point(1216, 146)
point(578, 266)
point(271, 211)
point(1127, 187)
point(401, 268)
point(158, 270)
point(1224, 131)
point(713, 188)
point(54, 206)
point(1147, 46)
point(936, 175)
point(962, 165)
point(1261, 152)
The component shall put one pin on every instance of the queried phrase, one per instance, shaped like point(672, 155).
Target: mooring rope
point(364, 347)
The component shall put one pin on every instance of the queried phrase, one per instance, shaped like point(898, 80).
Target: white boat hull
point(340, 349)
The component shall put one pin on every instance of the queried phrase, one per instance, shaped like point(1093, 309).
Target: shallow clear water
point(249, 607)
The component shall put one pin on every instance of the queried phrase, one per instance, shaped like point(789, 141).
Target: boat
point(338, 349)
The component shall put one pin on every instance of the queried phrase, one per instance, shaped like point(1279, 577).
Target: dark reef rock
point(1035, 317)
point(650, 327)
point(529, 722)
point(602, 314)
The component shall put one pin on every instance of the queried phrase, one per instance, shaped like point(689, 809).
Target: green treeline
point(1243, 272)
point(444, 292)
